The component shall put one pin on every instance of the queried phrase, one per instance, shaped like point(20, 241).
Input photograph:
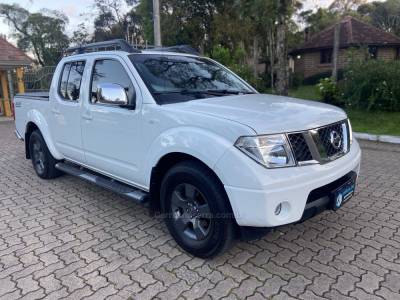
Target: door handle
point(87, 117)
point(55, 111)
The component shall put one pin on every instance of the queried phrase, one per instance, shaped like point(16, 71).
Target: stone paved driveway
point(67, 238)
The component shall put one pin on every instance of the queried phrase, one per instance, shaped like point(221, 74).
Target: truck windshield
point(175, 78)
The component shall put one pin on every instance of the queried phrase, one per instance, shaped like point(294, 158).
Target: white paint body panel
point(65, 120)
point(268, 114)
point(255, 191)
point(127, 144)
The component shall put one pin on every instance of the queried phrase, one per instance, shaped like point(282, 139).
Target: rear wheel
point(196, 208)
point(42, 160)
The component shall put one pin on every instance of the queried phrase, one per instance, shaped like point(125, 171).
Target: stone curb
point(377, 138)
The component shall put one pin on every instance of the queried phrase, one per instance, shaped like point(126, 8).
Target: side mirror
point(111, 93)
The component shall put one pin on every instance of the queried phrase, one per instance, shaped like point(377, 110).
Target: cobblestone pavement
point(68, 238)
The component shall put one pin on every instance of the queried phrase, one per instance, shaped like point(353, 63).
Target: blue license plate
point(342, 194)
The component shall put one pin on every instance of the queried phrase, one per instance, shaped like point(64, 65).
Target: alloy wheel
point(38, 157)
point(190, 212)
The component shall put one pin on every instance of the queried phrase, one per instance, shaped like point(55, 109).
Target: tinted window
point(71, 80)
point(175, 78)
point(111, 71)
point(326, 56)
point(64, 80)
point(74, 80)
point(373, 52)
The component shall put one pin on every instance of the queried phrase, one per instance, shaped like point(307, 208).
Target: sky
point(80, 10)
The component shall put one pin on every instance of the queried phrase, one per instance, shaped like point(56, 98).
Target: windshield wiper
point(183, 92)
point(209, 92)
point(233, 92)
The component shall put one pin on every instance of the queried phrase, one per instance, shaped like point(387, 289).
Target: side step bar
point(120, 188)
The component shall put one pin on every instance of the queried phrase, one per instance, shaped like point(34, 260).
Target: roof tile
point(11, 55)
point(353, 32)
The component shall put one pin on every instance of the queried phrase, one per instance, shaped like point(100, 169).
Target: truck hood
point(267, 114)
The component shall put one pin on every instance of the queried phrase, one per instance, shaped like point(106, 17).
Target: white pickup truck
point(185, 136)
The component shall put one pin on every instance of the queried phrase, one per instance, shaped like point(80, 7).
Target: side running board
point(120, 188)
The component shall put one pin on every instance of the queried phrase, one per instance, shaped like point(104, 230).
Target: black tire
point(215, 230)
point(42, 160)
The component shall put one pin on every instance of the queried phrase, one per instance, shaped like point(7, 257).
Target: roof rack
point(178, 48)
point(111, 45)
point(123, 45)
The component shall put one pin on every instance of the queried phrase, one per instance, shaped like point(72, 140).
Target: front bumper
point(255, 192)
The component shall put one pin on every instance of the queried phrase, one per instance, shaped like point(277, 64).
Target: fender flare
point(35, 117)
point(201, 144)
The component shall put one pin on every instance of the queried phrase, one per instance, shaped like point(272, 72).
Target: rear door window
point(62, 90)
point(71, 79)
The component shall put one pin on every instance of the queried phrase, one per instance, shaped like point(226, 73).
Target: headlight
point(272, 151)
point(350, 131)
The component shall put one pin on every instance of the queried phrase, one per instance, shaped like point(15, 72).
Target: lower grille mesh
point(300, 147)
point(324, 136)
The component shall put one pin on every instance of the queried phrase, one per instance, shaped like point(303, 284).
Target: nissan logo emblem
point(335, 139)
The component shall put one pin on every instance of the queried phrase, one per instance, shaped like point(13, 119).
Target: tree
point(318, 20)
point(112, 22)
point(108, 23)
point(189, 22)
point(80, 35)
point(41, 32)
point(345, 6)
point(144, 11)
point(285, 10)
point(384, 15)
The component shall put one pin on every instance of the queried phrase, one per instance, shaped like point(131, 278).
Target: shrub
point(314, 79)
point(329, 91)
point(222, 55)
point(373, 85)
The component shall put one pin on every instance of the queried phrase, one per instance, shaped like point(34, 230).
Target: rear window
point(71, 79)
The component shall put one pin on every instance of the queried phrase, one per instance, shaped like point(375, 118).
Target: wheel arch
point(36, 121)
point(165, 163)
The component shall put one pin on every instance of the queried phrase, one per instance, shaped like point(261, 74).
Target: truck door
point(110, 132)
point(66, 111)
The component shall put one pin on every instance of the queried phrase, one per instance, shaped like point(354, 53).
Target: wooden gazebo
point(11, 58)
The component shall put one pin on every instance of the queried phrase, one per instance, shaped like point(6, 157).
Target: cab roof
point(124, 46)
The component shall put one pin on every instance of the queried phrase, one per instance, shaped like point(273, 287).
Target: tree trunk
point(335, 54)
point(255, 56)
point(282, 80)
point(156, 20)
point(271, 47)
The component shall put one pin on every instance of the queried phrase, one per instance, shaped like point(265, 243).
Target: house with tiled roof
point(12, 56)
point(12, 60)
point(314, 56)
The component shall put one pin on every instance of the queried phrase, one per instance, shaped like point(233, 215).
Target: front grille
point(321, 144)
point(300, 147)
point(324, 135)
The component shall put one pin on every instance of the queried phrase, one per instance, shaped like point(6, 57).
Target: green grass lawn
point(375, 122)
point(308, 92)
point(361, 121)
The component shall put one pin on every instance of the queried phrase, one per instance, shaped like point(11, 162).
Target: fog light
point(278, 209)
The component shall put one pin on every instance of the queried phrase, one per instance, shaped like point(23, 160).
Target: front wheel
point(43, 162)
point(196, 209)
